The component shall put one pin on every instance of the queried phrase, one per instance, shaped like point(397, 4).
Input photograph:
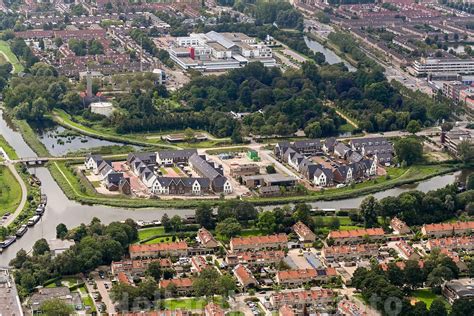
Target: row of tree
point(387, 290)
point(96, 244)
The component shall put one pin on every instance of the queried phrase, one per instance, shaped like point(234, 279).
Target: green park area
point(10, 191)
point(82, 126)
point(6, 55)
point(427, 296)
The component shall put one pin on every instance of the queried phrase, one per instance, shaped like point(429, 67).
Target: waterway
point(331, 57)
point(59, 141)
point(62, 210)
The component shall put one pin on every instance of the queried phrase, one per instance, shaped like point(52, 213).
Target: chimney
point(89, 85)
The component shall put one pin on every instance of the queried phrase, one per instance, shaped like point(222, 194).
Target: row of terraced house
point(210, 177)
point(357, 162)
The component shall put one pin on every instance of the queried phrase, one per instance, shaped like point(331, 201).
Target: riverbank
point(7, 53)
point(19, 196)
point(328, 44)
point(10, 190)
point(146, 140)
point(79, 189)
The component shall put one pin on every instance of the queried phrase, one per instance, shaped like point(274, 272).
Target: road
point(24, 191)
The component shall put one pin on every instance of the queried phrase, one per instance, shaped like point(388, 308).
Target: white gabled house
point(323, 177)
point(92, 162)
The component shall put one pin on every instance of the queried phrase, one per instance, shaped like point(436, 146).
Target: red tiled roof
point(305, 273)
point(205, 236)
point(302, 230)
point(122, 278)
point(452, 242)
point(356, 233)
point(258, 240)
point(301, 295)
point(243, 274)
point(212, 309)
point(346, 249)
point(170, 246)
point(448, 226)
point(180, 283)
point(286, 310)
point(160, 313)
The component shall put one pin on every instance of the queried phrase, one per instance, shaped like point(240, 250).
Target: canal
point(62, 210)
point(331, 57)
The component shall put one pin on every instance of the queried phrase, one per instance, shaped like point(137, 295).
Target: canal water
point(59, 141)
point(331, 57)
point(62, 210)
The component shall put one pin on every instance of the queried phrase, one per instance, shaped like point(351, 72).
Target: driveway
point(104, 293)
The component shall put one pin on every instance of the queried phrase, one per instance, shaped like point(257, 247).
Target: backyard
point(427, 296)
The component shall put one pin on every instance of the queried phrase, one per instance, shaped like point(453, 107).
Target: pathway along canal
point(62, 210)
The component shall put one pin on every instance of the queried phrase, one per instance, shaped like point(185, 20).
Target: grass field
point(8, 149)
point(142, 139)
point(185, 304)
point(427, 296)
point(159, 240)
point(10, 191)
point(5, 51)
point(191, 303)
point(3, 60)
point(150, 232)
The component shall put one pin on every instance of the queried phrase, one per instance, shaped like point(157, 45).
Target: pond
point(331, 57)
point(59, 141)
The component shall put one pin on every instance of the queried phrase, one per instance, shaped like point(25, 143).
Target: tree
point(176, 223)
point(204, 216)
point(470, 182)
point(210, 282)
point(334, 223)
point(409, 149)
point(413, 274)
point(462, 307)
point(188, 135)
point(466, 151)
point(154, 270)
point(270, 169)
point(40, 247)
point(369, 208)
point(267, 222)
point(165, 221)
point(56, 307)
point(413, 127)
point(61, 231)
point(438, 308)
point(229, 227)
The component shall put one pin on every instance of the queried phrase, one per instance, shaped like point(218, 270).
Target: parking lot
point(9, 301)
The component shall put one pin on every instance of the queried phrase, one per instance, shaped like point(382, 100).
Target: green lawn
point(7, 52)
point(427, 296)
point(87, 301)
point(10, 191)
point(185, 304)
point(8, 149)
point(251, 232)
point(150, 232)
point(78, 124)
point(191, 303)
point(160, 240)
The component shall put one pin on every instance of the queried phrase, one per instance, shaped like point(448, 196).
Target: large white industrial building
point(426, 66)
point(214, 51)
